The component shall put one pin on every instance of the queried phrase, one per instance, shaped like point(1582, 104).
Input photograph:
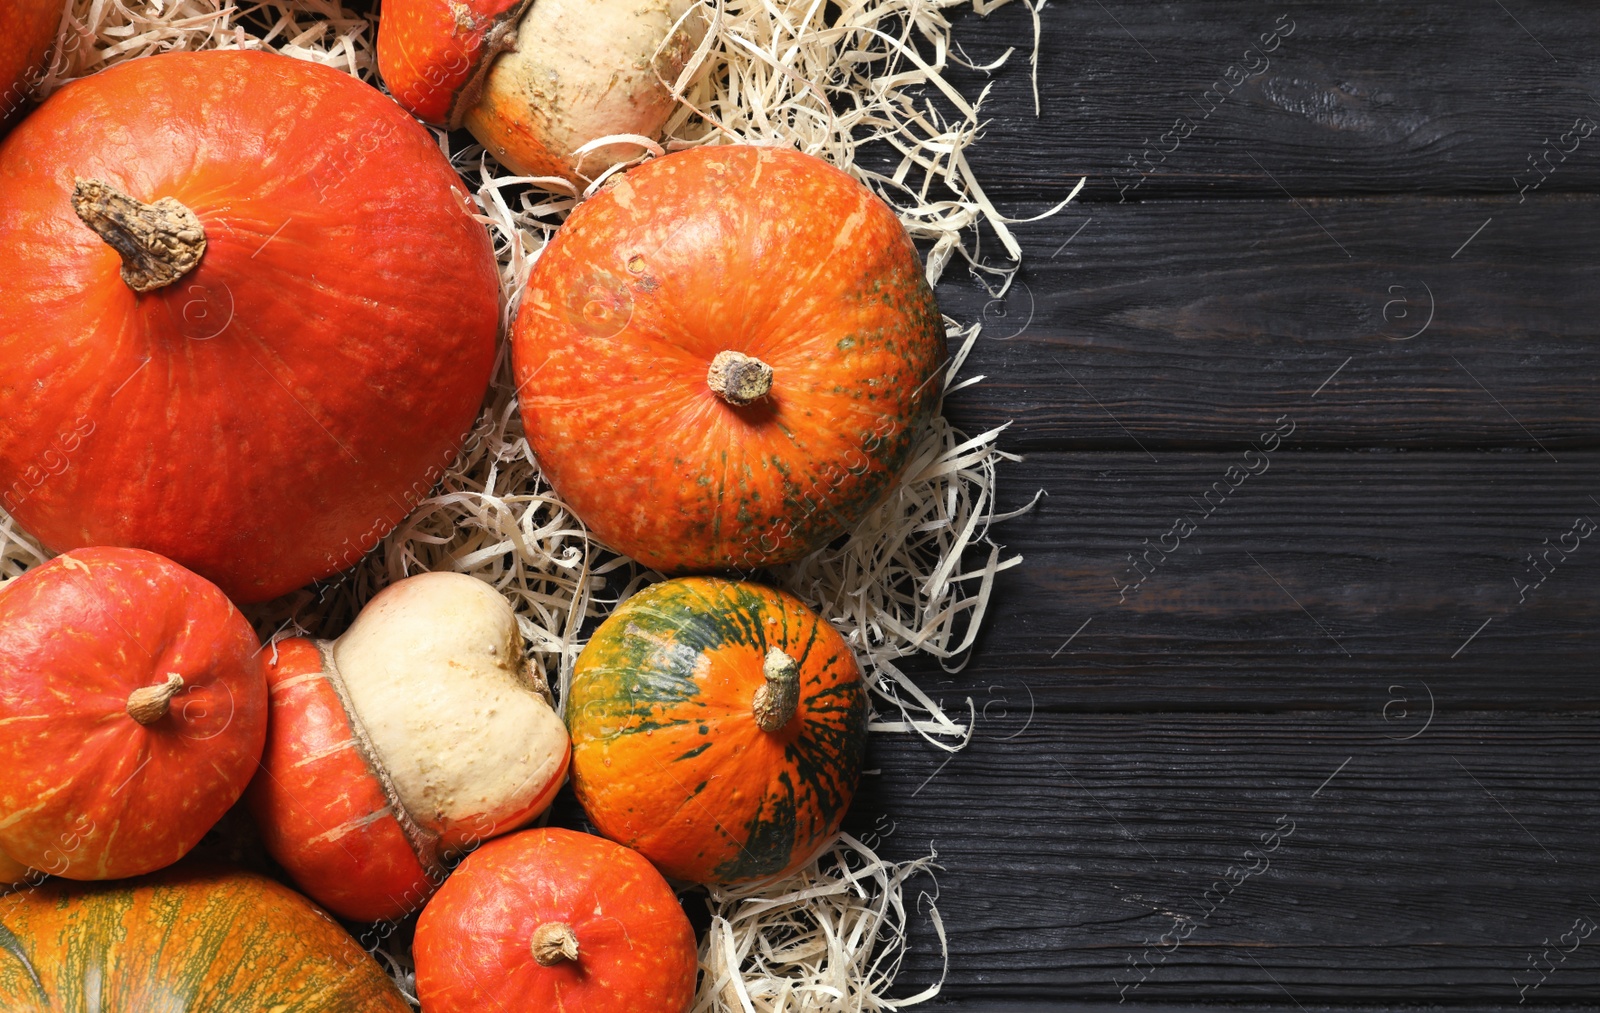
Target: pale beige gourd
point(434, 672)
point(582, 70)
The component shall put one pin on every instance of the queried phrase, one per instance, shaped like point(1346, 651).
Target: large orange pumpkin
point(555, 920)
point(723, 361)
point(296, 335)
point(718, 728)
point(27, 27)
point(133, 710)
point(206, 941)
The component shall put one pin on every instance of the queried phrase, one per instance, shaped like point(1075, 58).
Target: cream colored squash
point(434, 672)
point(581, 70)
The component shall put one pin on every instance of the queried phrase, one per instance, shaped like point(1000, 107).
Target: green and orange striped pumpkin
point(184, 939)
point(718, 728)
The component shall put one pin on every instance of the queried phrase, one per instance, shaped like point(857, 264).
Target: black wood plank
point(1319, 582)
point(1187, 99)
point(1430, 870)
point(1408, 323)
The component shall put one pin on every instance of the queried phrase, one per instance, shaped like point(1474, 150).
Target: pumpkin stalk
point(739, 379)
point(148, 704)
point(159, 243)
point(778, 699)
point(554, 942)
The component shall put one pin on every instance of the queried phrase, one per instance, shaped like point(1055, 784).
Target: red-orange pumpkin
point(555, 920)
point(718, 727)
point(724, 359)
point(196, 940)
point(27, 27)
point(133, 709)
point(312, 333)
point(323, 812)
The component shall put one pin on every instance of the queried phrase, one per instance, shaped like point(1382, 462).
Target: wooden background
point(1344, 243)
point(1343, 246)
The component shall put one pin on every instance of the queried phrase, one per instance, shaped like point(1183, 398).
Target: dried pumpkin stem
point(553, 943)
point(159, 243)
point(739, 379)
point(148, 704)
point(777, 700)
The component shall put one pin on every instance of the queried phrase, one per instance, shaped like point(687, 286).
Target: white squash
point(434, 670)
point(536, 81)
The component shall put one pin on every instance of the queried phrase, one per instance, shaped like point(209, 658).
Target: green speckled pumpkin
point(724, 360)
point(193, 940)
point(718, 728)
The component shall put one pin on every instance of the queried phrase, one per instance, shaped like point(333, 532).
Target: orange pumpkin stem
point(739, 379)
point(159, 243)
point(148, 704)
point(777, 700)
point(553, 943)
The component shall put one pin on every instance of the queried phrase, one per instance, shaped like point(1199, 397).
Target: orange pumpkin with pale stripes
point(185, 939)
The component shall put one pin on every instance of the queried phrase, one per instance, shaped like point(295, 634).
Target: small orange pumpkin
point(724, 360)
point(555, 920)
point(718, 728)
point(134, 708)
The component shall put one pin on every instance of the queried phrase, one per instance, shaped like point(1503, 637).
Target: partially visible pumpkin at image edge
point(289, 348)
point(27, 27)
point(553, 919)
point(134, 704)
point(196, 939)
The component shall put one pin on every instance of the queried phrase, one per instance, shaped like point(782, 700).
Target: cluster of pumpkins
point(247, 317)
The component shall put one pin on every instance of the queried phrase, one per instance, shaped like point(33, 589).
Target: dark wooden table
point(1377, 235)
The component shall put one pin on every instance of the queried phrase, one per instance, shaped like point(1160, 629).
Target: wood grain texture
point(1316, 584)
point(1359, 98)
point(1186, 324)
point(1415, 871)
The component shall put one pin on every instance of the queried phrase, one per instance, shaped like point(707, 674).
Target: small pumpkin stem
point(148, 704)
point(738, 378)
point(776, 701)
point(159, 242)
point(554, 942)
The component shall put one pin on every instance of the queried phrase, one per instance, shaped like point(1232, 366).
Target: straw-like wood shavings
point(901, 585)
point(914, 577)
point(95, 34)
point(834, 79)
point(830, 937)
point(98, 33)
